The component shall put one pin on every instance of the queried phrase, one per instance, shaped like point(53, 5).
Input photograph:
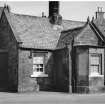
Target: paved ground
point(50, 98)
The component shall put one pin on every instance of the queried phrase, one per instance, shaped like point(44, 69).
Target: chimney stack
point(43, 14)
point(100, 14)
point(53, 8)
point(54, 16)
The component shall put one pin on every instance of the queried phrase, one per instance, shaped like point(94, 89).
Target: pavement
point(51, 98)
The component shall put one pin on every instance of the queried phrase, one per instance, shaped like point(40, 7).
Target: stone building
point(51, 54)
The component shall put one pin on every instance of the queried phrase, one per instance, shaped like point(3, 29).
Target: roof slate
point(37, 32)
point(67, 36)
point(86, 37)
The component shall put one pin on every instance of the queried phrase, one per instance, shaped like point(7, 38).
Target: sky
point(70, 10)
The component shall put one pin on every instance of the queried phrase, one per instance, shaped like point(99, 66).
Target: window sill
point(95, 75)
point(39, 75)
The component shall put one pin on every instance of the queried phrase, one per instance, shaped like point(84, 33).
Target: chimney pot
point(43, 14)
point(92, 18)
point(88, 19)
point(53, 8)
point(7, 7)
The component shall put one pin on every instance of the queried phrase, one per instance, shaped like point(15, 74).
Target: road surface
point(51, 98)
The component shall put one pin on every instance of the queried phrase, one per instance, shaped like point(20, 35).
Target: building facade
point(51, 54)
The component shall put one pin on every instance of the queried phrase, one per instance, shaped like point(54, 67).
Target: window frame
point(98, 65)
point(34, 54)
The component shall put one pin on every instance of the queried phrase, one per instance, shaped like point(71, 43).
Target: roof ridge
point(43, 17)
point(75, 20)
point(76, 28)
point(26, 15)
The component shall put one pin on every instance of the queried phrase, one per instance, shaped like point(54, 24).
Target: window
point(96, 63)
point(38, 64)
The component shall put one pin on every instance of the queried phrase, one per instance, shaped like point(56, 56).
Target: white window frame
point(98, 66)
point(40, 56)
point(38, 73)
point(97, 51)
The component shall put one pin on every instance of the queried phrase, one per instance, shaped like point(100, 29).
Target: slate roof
point(86, 37)
point(37, 32)
point(68, 36)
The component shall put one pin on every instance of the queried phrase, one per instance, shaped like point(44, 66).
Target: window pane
point(38, 60)
point(38, 69)
point(41, 69)
point(34, 67)
point(94, 60)
point(95, 63)
point(38, 63)
point(41, 65)
point(94, 68)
